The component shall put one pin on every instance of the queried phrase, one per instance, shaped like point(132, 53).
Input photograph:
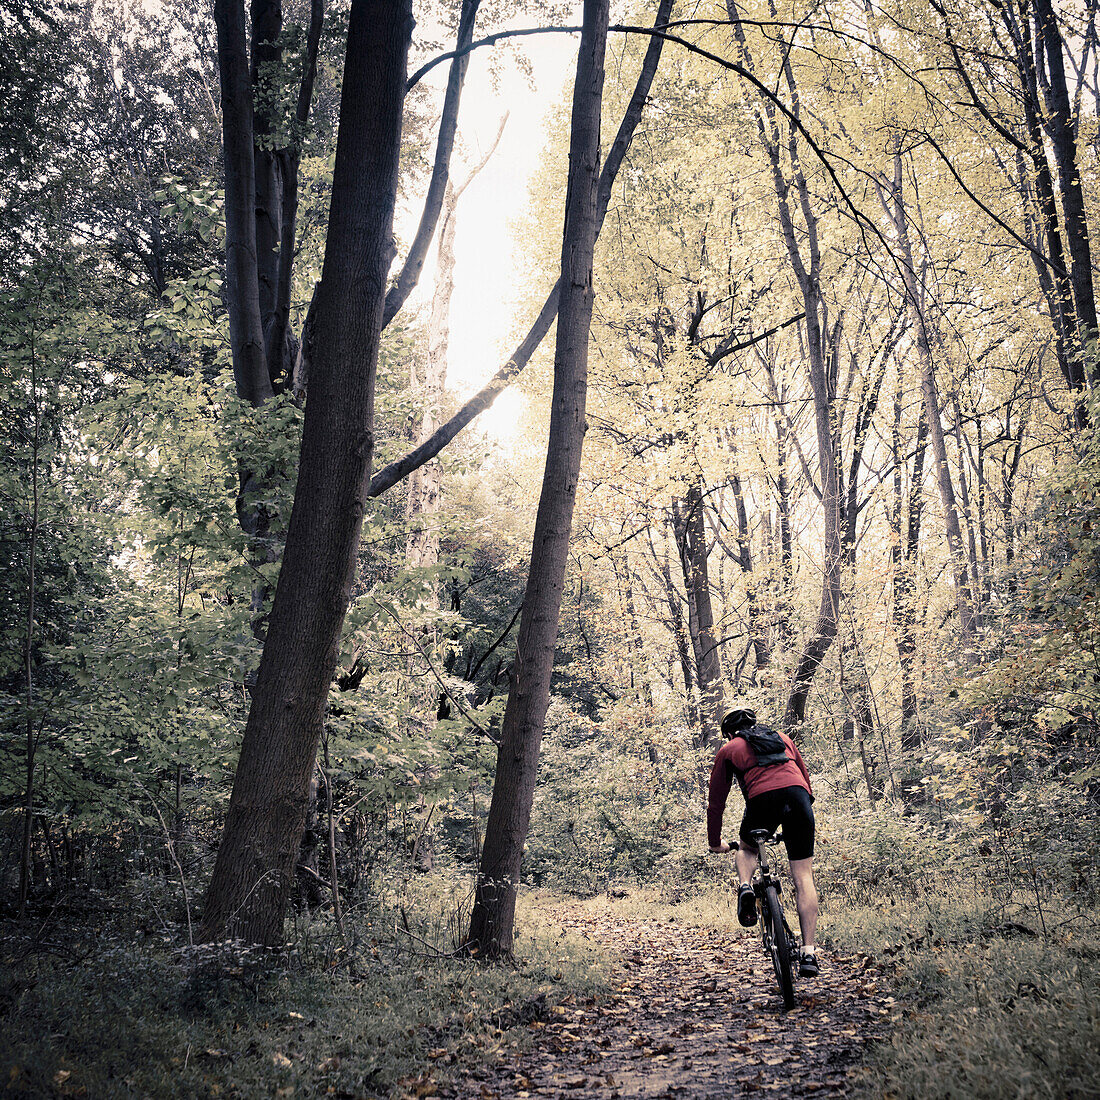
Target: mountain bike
point(780, 943)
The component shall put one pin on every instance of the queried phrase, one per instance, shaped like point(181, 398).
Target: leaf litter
point(694, 1013)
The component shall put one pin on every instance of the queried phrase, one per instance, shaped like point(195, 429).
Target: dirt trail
point(694, 1014)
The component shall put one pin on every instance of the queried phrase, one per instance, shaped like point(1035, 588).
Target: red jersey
point(736, 758)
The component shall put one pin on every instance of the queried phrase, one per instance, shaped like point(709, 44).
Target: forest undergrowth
point(93, 1005)
point(994, 970)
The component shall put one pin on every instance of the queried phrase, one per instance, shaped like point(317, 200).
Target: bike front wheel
point(778, 945)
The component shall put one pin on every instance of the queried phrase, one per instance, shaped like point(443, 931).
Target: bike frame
point(779, 942)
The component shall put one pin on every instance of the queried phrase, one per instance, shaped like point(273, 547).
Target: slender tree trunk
point(267, 56)
point(904, 554)
point(242, 289)
point(254, 872)
point(832, 502)
point(785, 567)
point(683, 647)
point(757, 630)
point(854, 690)
point(1010, 467)
point(493, 916)
point(691, 541)
point(968, 517)
point(1060, 127)
point(409, 275)
point(792, 193)
point(28, 648)
point(639, 676)
point(969, 623)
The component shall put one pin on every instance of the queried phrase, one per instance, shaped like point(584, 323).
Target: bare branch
point(396, 471)
point(437, 187)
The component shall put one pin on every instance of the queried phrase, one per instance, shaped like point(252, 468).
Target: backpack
point(766, 744)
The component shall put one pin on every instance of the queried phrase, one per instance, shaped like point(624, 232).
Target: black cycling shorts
point(789, 807)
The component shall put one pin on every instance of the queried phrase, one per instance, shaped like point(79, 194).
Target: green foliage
point(146, 1017)
point(987, 1008)
point(612, 803)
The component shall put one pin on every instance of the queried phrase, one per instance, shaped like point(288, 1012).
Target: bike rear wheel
point(778, 944)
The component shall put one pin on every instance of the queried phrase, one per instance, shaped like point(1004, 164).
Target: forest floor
point(692, 1013)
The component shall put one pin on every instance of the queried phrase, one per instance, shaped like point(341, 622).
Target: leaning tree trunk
point(254, 872)
point(493, 917)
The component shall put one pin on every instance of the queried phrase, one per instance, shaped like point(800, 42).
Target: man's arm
point(721, 779)
point(801, 765)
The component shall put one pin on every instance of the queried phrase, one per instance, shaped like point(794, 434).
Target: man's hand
point(723, 847)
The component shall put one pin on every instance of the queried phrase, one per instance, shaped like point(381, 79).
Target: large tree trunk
point(492, 920)
point(254, 872)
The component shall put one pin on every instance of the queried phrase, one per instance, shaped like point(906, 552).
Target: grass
point(147, 1018)
point(994, 1003)
point(990, 1012)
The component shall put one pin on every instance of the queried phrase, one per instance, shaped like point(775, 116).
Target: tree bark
point(691, 542)
point(1059, 126)
point(904, 555)
point(242, 288)
point(675, 624)
point(254, 872)
point(493, 916)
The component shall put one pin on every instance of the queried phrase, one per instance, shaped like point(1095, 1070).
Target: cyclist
point(776, 785)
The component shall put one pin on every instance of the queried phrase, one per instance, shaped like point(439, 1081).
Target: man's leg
point(746, 860)
point(805, 898)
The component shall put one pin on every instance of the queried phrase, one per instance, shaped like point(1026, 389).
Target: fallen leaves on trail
point(695, 1014)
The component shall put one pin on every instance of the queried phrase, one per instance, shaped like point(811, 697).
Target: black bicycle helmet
point(737, 720)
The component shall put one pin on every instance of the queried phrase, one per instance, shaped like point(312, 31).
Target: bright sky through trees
point(489, 269)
